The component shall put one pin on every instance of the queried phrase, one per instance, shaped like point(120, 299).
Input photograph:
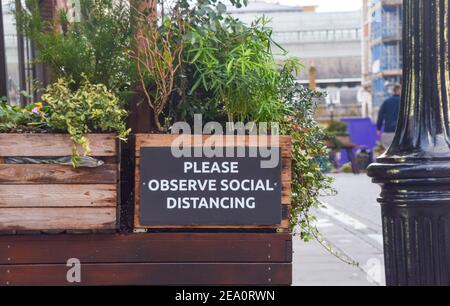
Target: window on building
point(16, 56)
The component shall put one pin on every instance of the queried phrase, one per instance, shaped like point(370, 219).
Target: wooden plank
point(57, 218)
point(151, 274)
point(149, 259)
point(137, 193)
point(54, 145)
point(166, 140)
point(145, 248)
point(58, 195)
point(57, 174)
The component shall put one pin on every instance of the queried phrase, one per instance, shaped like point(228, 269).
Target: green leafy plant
point(160, 39)
point(92, 44)
point(336, 133)
point(308, 181)
point(205, 13)
point(91, 108)
point(158, 57)
point(17, 119)
point(10, 117)
point(235, 64)
point(337, 128)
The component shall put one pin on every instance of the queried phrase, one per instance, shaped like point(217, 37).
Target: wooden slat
point(146, 248)
point(151, 274)
point(149, 259)
point(137, 192)
point(165, 140)
point(57, 174)
point(57, 218)
point(58, 195)
point(54, 145)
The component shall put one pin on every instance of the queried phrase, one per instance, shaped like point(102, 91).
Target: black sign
point(201, 191)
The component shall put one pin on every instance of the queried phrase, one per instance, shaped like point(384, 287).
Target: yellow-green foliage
point(90, 108)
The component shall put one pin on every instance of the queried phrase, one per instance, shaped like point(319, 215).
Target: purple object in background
point(363, 132)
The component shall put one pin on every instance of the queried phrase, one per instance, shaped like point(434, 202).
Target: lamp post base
point(415, 203)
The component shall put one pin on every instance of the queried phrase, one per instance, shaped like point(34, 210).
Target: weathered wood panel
point(149, 259)
point(51, 218)
point(57, 174)
point(166, 140)
point(58, 195)
point(151, 274)
point(42, 197)
point(54, 145)
point(147, 248)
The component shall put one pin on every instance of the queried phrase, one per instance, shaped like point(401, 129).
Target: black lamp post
point(415, 172)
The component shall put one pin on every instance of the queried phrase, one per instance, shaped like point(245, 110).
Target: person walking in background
point(388, 117)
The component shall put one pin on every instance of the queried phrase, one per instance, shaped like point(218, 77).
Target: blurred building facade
point(382, 48)
point(15, 49)
point(18, 71)
point(328, 42)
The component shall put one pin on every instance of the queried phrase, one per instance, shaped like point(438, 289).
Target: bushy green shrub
point(92, 107)
point(308, 180)
point(233, 62)
point(94, 44)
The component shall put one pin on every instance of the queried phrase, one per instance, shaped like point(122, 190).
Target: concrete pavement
point(351, 223)
point(315, 266)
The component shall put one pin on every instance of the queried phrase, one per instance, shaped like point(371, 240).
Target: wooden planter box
point(36, 197)
point(51, 197)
